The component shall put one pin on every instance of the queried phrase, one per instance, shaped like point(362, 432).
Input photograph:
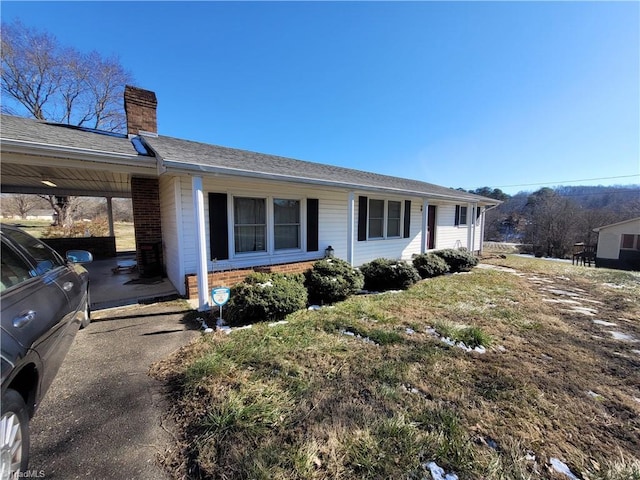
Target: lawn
point(124, 233)
point(370, 388)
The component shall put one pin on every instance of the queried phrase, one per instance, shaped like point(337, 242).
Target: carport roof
point(187, 156)
point(79, 161)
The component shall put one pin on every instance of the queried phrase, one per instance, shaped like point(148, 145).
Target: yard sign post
point(220, 296)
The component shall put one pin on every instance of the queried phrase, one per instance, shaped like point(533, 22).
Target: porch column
point(201, 248)
point(110, 217)
point(350, 226)
point(470, 227)
point(424, 244)
point(483, 211)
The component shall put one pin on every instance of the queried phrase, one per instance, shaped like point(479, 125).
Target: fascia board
point(104, 159)
point(190, 169)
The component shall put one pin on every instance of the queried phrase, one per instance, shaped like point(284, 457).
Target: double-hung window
point(461, 215)
point(250, 224)
point(385, 218)
point(286, 224)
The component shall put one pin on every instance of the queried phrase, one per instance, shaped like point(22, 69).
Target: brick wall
point(145, 199)
point(100, 247)
point(231, 277)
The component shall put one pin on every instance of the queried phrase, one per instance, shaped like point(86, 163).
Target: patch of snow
point(266, 284)
point(409, 331)
point(595, 395)
point(562, 467)
point(636, 399)
point(281, 322)
point(590, 312)
point(636, 351)
point(561, 300)
point(314, 308)
point(613, 285)
point(358, 336)
point(438, 473)
point(530, 456)
point(623, 336)
point(606, 324)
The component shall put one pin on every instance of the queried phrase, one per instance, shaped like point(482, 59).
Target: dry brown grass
point(305, 400)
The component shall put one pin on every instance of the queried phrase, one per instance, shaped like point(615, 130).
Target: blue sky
point(461, 94)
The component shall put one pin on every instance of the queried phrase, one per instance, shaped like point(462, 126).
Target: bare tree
point(57, 83)
point(20, 204)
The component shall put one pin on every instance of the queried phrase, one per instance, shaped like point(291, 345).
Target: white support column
point(470, 226)
point(112, 229)
point(424, 244)
point(350, 226)
point(483, 211)
point(201, 248)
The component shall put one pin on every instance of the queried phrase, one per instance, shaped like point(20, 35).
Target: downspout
point(201, 248)
point(110, 217)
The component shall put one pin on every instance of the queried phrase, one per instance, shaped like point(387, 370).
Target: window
point(250, 224)
point(14, 269)
point(46, 259)
point(383, 219)
point(286, 224)
point(461, 215)
point(630, 242)
point(376, 218)
point(394, 210)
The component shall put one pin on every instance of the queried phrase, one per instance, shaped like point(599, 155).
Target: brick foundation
point(231, 277)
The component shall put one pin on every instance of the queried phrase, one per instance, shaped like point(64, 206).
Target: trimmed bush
point(458, 260)
point(265, 296)
point(383, 274)
point(430, 265)
point(332, 280)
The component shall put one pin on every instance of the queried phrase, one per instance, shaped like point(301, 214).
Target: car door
point(36, 310)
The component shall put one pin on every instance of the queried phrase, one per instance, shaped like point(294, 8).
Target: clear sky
point(461, 94)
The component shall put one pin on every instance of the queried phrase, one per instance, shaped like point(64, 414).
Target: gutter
point(74, 153)
point(190, 168)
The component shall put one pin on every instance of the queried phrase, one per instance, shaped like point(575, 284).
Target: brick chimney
point(140, 106)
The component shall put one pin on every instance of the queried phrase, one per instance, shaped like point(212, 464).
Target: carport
point(63, 160)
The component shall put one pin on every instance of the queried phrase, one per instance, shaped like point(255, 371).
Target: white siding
point(332, 228)
point(610, 238)
point(171, 218)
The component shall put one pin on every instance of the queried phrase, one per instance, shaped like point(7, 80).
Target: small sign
point(220, 295)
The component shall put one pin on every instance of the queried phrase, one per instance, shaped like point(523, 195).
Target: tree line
point(552, 220)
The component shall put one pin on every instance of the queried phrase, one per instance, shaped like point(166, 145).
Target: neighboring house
point(619, 245)
point(212, 213)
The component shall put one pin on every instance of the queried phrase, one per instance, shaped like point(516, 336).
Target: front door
point(431, 225)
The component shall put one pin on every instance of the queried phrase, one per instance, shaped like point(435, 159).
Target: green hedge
point(265, 296)
point(430, 265)
point(384, 274)
point(332, 280)
point(458, 260)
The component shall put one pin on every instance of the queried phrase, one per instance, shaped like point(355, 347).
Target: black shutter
point(312, 224)
point(457, 220)
point(407, 218)
point(362, 218)
point(218, 226)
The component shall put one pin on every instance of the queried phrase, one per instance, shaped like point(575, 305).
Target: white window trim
point(270, 250)
point(385, 221)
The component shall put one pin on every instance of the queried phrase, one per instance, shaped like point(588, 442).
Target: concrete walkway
point(103, 416)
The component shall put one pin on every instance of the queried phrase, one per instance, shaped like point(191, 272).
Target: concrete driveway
point(103, 415)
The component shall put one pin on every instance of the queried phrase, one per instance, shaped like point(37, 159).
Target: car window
point(14, 269)
point(45, 258)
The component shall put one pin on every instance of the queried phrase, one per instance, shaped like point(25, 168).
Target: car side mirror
point(79, 256)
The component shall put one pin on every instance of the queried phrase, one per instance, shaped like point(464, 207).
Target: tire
point(14, 435)
point(86, 314)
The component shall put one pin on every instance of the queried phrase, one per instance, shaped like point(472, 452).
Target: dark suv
point(44, 300)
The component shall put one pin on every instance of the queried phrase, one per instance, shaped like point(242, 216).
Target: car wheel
point(14, 435)
point(86, 315)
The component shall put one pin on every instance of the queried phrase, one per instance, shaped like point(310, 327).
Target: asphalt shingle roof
point(61, 135)
point(195, 155)
point(189, 155)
